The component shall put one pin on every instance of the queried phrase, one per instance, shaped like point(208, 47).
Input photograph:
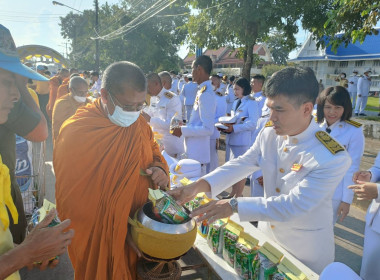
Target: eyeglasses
point(127, 108)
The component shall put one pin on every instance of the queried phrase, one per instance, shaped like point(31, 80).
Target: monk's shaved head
point(122, 74)
point(76, 81)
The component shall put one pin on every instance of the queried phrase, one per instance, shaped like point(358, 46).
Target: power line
point(198, 10)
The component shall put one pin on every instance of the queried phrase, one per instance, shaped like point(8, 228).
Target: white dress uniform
point(363, 88)
point(201, 125)
point(260, 98)
point(220, 111)
point(350, 135)
point(189, 92)
point(370, 269)
point(222, 88)
point(161, 115)
point(300, 174)
point(181, 83)
point(353, 88)
point(247, 114)
point(174, 87)
point(230, 95)
point(338, 271)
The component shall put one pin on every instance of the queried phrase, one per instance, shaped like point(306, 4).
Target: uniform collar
point(303, 136)
point(163, 90)
point(205, 83)
point(334, 125)
point(257, 94)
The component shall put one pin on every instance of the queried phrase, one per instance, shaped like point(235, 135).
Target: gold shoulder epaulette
point(203, 89)
point(316, 119)
point(169, 95)
point(325, 138)
point(219, 93)
point(269, 124)
point(354, 123)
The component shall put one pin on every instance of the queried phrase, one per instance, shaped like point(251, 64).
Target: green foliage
point(280, 47)
point(153, 45)
point(269, 69)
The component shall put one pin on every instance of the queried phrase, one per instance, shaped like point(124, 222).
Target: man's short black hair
point(205, 62)
point(232, 78)
point(154, 77)
point(298, 84)
point(259, 77)
point(337, 96)
point(94, 73)
point(123, 74)
point(216, 76)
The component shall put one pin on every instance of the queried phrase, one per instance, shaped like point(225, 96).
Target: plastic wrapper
point(175, 122)
point(246, 250)
point(203, 226)
point(230, 236)
point(290, 271)
point(265, 262)
point(166, 209)
point(215, 235)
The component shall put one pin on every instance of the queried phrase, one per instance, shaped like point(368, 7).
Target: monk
point(64, 88)
point(66, 106)
point(98, 156)
point(54, 84)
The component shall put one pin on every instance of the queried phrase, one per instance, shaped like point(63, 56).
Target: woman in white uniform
point(239, 134)
point(334, 110)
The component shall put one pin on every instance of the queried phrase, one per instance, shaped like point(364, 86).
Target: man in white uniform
point(364, 84)
point(201, 125)
point(370, 269)
point(301, 168)
point(230, 94)
point(174, 87)
point(353, 86)
point(257, 83)
point(189, 92)
point(161, 113)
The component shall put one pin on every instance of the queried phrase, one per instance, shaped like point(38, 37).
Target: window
point(376, 63)
point(331, 63)
point(343, 64)
point(359, 63)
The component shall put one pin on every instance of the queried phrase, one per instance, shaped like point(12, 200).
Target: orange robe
point(54, 84)
point(98, 186)
point(63, 89)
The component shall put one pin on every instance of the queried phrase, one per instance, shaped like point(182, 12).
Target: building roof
point(354, 51)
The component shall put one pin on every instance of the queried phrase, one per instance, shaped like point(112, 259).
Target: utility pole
point(97, 32)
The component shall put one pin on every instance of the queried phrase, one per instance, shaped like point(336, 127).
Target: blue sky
point(36, 22)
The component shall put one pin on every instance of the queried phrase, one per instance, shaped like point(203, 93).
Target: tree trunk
point(248, 59)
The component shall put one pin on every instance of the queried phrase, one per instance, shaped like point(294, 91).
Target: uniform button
point(282, 170)
point(277, 190)
point(294, 140)
point(286, 149)
point(272, 226)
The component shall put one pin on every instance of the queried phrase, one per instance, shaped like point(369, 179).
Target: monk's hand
point(44, 243)
point(364, 176)
point(146, 116)
point(212, 211)
point(177, 132)
point(132, 244)
point(365, 190)
point(186, 193)
point(158, 176)
point(343, 210)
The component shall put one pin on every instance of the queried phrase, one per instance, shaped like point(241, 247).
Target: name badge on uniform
point(296, 167)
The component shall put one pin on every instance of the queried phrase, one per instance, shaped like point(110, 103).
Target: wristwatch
point(234, 204)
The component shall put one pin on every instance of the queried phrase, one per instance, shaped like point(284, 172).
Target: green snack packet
point(245, 252)
point(265, 262)
point(230, 236)
point(290, 270)
point(215, 235)
point(279, 276)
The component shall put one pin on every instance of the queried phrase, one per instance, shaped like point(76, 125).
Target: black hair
point(154, 77)
point(344, 74)
point(337, 96)
point(121, 74)
point(244, 84)
point(96, 74)
point(299, 84)
point(232, 78)
point(205, 62)
point(215, 76)
point(260, 78)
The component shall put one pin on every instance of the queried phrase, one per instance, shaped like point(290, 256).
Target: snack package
point(265, 262)
point(279, 276)
point(215, 235)
point(196, 202)
point(245, 252)
point(290, 270)
point(175, 122)
point(203, 226)
point(230, 236)
point(166, 208)
point(39, 214)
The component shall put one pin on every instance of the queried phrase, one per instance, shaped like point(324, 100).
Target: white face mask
point(122, 118)
point(80, 99)
point(342, 76)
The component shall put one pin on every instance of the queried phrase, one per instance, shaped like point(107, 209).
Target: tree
point(242, 23)
point(152, 45)
point(279, 47)
point(269, 69)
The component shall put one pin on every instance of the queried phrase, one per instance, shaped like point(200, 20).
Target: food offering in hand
point(175, 122)
point(166, 209)
point(39, 214)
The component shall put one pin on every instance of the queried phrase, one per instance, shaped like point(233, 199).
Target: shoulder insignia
point(354, 123)
point(316, 119)
point(203, 89)
point(251, 97)
point(333, 146)
point(168, 95)
point(269, 124)
point(219, 94)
